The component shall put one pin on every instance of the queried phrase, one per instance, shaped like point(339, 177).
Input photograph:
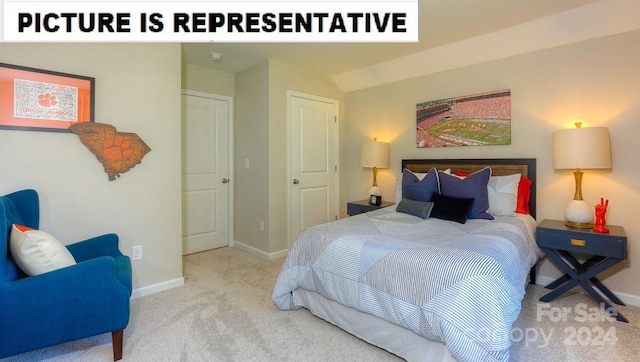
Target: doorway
point(206, 165)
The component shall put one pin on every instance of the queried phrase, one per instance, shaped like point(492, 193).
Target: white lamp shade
point(375, 154)
point(584, 148)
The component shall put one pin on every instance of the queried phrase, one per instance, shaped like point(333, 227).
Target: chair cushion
point(37, 252)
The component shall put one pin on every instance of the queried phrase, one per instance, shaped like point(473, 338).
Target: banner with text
point(210, 21)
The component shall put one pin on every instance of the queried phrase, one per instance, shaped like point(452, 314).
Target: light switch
point(246, 163)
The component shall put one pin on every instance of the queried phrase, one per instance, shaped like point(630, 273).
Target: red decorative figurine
point(601, 210)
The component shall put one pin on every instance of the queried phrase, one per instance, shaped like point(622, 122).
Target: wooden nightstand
point(362, 206)
point(559, 241)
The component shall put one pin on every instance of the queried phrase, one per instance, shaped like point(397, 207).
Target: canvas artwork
point(475, 120)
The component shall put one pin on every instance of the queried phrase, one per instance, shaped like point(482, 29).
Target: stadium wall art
point(476, 120)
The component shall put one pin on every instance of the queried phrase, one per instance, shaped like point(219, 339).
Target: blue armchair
point(79, 301)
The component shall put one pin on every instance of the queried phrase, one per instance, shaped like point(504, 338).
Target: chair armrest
point(75, 280)
point(104, 245)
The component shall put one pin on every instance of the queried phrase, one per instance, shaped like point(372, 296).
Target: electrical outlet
point(136, 252)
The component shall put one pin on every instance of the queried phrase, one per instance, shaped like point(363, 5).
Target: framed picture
point(375, 200)
point(43, 100)
point(474, 120)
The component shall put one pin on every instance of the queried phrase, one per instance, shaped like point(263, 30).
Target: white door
point(205, 172)
point(314, 161)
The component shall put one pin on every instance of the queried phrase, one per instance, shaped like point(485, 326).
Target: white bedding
point(460, 284)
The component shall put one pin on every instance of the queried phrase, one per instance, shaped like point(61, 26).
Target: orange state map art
point(117, 151)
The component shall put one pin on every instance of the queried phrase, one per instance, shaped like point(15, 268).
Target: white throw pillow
point(503, 194)
point(37, 252)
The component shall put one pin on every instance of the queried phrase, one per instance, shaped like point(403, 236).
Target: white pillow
point(419, 175)
point(37, 252)
point(503, 194)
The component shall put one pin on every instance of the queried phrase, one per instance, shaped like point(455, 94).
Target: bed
point(423, 289)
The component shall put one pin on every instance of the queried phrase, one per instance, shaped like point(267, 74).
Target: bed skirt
point(373, 330)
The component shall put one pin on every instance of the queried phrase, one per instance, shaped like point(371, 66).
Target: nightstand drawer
point(583, 242)
point(355, 209)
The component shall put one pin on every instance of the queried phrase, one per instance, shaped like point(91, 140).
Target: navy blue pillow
point(419, 190)
point(473, 186)
point(451, 208)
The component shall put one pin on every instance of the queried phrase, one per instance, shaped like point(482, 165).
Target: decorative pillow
point(419, 175)
point(474, 186)
point(37, 252)
point(451, 208)
point(415, 208)
point(419, 190)
point(524, 194)
point(503, 194)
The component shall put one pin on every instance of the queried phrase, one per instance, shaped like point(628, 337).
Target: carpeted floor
point(224, 312)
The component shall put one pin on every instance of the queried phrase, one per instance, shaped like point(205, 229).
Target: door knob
point(296, 181)
point(224, 180)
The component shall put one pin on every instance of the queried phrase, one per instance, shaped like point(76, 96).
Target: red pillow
point(460, 174)
point(524, 194)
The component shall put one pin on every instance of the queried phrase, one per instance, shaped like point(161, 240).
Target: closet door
point(314, 161)
point(205, 172)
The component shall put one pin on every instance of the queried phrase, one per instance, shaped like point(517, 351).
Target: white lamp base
point(374, 191)
point(578, 214)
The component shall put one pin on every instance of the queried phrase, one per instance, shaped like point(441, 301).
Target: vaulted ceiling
point(442, 24)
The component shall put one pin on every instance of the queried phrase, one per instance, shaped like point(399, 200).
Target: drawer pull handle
point(578, 242)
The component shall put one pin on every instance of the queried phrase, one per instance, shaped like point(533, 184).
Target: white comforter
point(461, 284)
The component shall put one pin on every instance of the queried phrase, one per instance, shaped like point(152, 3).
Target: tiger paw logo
point(47, 100)
point(116, 148)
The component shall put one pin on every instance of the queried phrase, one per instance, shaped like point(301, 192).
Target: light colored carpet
point(224, 312)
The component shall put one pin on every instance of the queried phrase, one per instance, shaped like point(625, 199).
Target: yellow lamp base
point(579, 225)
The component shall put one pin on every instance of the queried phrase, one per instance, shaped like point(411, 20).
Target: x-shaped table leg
point(581, 276)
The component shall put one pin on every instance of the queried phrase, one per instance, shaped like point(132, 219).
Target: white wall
point(595, 81)
point(137, 90)
point(251, 185)
point(261, 136)
point(208, 80)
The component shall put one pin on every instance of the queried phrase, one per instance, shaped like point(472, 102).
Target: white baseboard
point(629, 299)
point(157, 288)
point(259, 253)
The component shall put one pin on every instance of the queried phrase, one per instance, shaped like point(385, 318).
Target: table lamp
point(374, 155)
point(577, 149)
